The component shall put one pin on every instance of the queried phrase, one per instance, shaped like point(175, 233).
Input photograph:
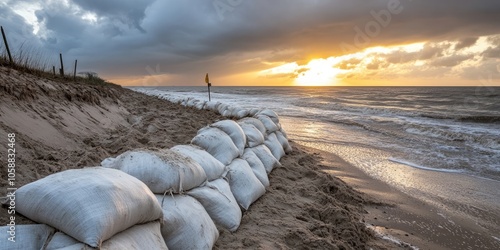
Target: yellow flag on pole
point(206, 79)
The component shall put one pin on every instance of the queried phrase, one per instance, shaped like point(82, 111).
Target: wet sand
point(427, 225)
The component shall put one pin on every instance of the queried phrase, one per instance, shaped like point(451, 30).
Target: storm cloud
point(182, 40)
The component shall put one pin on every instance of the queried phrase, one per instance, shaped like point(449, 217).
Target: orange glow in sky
point(424, 62)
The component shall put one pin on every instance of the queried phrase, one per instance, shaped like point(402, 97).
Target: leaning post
point(74, 73)
point(62, 65)
point(6, 45)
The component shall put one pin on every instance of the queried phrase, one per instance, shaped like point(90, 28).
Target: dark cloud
point(492, 52)
point(401, 56)
point(62, 27)
point(431, 51)
point(14, 25)
point(130, 12)
point(451, 61)
point(348, 64)
point(487, 74)
point(189, 37)
point(466, 42)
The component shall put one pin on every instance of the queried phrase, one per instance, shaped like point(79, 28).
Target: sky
point(265, 42)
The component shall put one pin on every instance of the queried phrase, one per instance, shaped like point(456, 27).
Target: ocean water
point(454, 130)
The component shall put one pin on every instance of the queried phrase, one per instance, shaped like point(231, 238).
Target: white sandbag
point(239, 113)
point(253, 111)
point(245, 186)
point(213, 168)
point(185, 101)
point(231, 110)
point(162, 171)
point(78, 246)
point(227, 112)
point(191, 102)
point(106, 162)
point(217, 143)
point(266, 157)
point(200, 105)
point(26, 237)
point(257, 166)
point(275, 146)
point(256, 122)
point(64, 241)
point(172, 99)
point(219, 201)
point(90, 204)
point(284, 142)
point(284, 133)
point(268, 123)
point(253, 135)
point(271, 114)
point(187, 224)
point(234, 131)
point(143, 236)
point(222, 107)
point(212, 105)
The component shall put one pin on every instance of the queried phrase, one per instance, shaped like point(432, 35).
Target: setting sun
point(319, 73)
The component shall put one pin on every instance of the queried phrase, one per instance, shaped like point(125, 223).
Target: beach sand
point(65, 125)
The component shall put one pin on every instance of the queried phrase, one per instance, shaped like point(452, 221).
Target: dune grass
point(30, 60)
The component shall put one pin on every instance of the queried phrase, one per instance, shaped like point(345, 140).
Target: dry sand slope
point(63, 125)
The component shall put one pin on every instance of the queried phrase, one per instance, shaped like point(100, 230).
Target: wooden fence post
point(74, 73)
point(6, 45)
point(62, 65)
point(54, 69)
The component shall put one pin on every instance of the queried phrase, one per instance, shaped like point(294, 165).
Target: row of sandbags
point(205, 185)
point(190, 189)
point(226, 110)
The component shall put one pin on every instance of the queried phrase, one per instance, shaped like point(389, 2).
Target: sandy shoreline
point(61, 126)
point(412, 220)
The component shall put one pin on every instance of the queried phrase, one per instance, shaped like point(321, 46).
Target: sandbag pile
point(91, 205)
point(174, 198)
